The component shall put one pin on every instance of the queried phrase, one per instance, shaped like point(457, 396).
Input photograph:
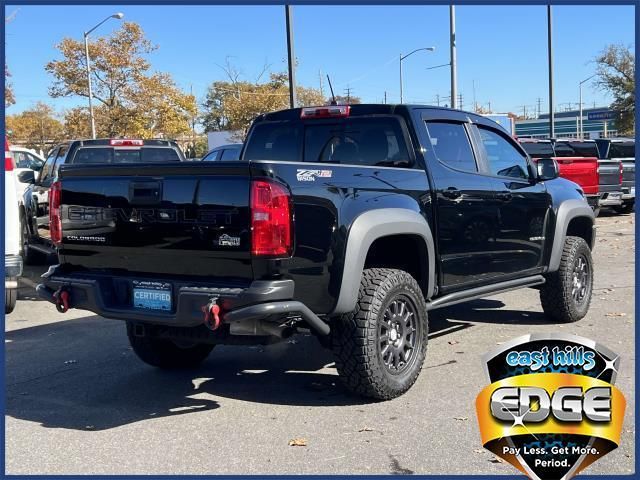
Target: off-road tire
point(10, 299)
point(356, 338)
point(624, 208)
point(164, 353)
point(556, 294)
point(29, 255)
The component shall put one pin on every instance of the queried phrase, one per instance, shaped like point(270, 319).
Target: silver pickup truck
point(624, 150)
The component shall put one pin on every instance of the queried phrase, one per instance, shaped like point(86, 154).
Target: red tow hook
point(212, 314)
point(61, 298)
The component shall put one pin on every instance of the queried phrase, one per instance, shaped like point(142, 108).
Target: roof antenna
point(333, 97)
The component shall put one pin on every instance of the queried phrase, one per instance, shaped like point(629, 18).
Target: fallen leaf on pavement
point(453, 342)
point(461, 418)
point(496, 460)
point(366, 429)
point(298, 442)
point(616, 314)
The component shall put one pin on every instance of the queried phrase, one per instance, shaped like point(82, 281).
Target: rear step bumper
point(265, 300)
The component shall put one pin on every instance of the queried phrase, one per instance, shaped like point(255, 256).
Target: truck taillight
point(8, 158)
point(126, 142)
point(325, 112)
point(271, 232)
point(621, 172)
point(55, 220)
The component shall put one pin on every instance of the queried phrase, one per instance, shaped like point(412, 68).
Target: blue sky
point(501, 49)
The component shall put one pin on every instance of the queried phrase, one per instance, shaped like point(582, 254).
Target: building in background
point(225, 137)
point(597, 123)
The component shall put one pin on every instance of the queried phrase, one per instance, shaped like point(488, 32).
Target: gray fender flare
point(367, 228)
point(568, 210)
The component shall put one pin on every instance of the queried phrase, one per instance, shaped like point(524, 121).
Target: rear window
point(622, 150)
point(576, 149)
point(98, 155)
point(373, 141)
point(538, 149)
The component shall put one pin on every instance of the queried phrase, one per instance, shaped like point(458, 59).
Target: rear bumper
point(610, 199)
point(110, 297)
point(628, 191)
point(12, 270)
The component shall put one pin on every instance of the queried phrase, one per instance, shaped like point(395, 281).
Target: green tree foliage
point(233, 104)
point(9, 98)
point(130, 101)
point(616, 74)
point(36, 128)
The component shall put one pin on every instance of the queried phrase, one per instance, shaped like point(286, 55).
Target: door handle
point(504, 197)
point(452, 193)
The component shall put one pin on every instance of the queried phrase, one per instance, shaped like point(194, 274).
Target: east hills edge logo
point(551, 408)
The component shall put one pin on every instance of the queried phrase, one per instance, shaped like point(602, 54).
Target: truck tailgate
point(186, 219)
point(581, 170)
point(610, 175)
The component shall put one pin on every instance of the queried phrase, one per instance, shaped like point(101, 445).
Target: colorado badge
point(551, 408)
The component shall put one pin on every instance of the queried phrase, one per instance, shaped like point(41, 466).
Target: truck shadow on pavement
point(81, 374)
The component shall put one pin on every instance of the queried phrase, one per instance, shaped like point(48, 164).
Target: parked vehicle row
point(600, 175)
point(351, 222)
point(623, 150)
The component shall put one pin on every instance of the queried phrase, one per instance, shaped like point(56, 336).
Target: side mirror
point(27, 176)
point(547, 169)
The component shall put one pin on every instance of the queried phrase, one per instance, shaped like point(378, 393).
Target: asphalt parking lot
point(78, 401)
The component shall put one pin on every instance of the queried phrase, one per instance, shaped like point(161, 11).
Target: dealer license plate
point(152, 295)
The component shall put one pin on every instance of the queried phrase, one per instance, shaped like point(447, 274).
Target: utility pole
point(452, 42)
point(385, 97)
point(321, 83)
point(347, 93)
point(291, 58)
point(552, 127)
point(438, 99)
point(539, 106)
point(475, 104)
point(524, 111)
point(193, 128)
point(460, 102)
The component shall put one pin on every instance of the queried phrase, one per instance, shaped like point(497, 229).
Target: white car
point(12, 258)
point(24, 160)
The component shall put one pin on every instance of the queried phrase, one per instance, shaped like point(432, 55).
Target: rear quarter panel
point(324, 210)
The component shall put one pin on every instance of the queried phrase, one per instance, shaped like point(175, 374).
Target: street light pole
point(291, 58)
point(581, 132)
point(452, 46)
point(552, 129)
point(402, 57)
point(118, 16)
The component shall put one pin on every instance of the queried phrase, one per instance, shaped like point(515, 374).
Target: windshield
point(538, 149)
point(373, 141)
point(98, 155)
point(576, 149)
point(622, 150)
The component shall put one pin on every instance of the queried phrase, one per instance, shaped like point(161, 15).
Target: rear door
point(466, 207)
point(523, 204)
point(41, 190)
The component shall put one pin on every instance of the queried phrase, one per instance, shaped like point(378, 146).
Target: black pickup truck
point(350, 222)
point(34, 208)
